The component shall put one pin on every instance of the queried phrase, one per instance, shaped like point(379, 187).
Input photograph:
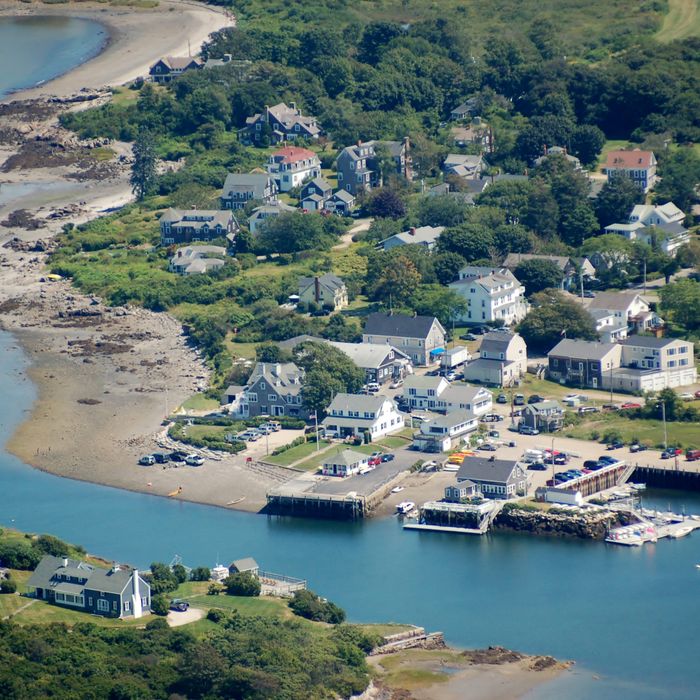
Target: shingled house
point(422, 338)
point(169, 67)
point(241, 188)
point(280, 123)
point(328, 291)
point(115, 592)
point(494, 478)
point(273, 389)
point(178, 226)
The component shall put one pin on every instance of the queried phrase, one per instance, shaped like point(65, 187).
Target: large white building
point(437, 394)
point(291, 166)
point(492, 294)
point(356, 414)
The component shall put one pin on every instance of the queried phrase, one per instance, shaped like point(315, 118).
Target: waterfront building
point(353, 415)
point(494, 478)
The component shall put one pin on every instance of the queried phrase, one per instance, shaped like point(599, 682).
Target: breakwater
point(660, 477)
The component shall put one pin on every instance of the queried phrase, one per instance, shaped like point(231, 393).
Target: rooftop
point(630, 159)
point(486, 469)
point(581, 349)
point(399, 325)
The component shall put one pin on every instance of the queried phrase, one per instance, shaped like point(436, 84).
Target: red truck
point(692, 455)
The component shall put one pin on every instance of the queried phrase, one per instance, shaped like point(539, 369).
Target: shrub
point(18, 555)
point(200, 573)
point(215, 589)
point(160, 605)
point(309, 605)
point(218, 615)
point(8, 585)
point(244, 584)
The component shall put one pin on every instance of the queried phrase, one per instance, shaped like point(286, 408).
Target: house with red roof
point(291, 166)
point(639, 166)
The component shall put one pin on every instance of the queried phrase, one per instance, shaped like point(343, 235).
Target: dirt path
point(346, 238)
point(681, 22)
point(20, 609)
point(177, 619)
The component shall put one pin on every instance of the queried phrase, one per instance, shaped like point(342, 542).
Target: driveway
point(177, 619)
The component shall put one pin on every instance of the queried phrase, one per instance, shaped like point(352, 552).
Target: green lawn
point(200, 402)
point(681, 22)
point(296, 453)
point(202, 431)
point(392, 442)
point(650, 432)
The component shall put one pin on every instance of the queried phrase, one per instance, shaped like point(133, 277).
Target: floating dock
point(665, 525)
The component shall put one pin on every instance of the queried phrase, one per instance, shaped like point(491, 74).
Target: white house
point(344, 463)
point(492, 294)
point(356, 414)
point(502, 360)
point(626, 309)
point(197, 259)
point(437, 394)
point(291, 166)
point(662, 224)
point(441, 433)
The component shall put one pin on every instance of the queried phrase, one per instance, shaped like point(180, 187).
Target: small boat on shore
point(405, 507)
point(680, 532)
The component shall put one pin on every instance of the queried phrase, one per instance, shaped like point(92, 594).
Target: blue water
point(37, 49)
point(630, 616)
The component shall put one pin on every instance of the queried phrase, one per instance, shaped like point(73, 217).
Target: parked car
point(519, 400)
point(611, 407)
point(494, 434)
point(374, 461)
point(588, 409)
point(491, 418)
point(697, 394)
point(588, 294)
point(535, 399)
point(502, 398)
point(480, 330)
point(147, 460)
point(631, 404)
point(373, 387)
point(607, 460)
point(591, 464)
point(527, 430)
point(250, 435)
point(178, 605)
point(194, 460)
point(388, 457)
point(396, 384)
point(637, 447)
point(615, 445)
point(451, 376)
point(178, 456)
point(467, 336)
point(537, 467)
point(692, 455)
point(686, 396)
point(488, 447)
point(671, 452)
point(161, 457)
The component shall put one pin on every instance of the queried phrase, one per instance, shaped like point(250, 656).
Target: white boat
point(405, 507)
point(638, 487)
point(397, 489)
point(680, 532)
point(451, 468)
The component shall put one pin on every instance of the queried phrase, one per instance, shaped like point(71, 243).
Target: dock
point(653, 529)
point(444, 528)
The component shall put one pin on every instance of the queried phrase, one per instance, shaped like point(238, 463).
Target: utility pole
point(318, 444)
point(645, 275)
point(611, 383)
point(663, 416)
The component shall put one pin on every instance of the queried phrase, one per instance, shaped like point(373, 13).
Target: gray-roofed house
point(344, 463)
point(545, 416)
point(187, 226)
point(280, 123)
point(477, 134)
point(116, 592)
point(469, 167)
point(169, 67)
point(241, 188)
point(351, 415)
point(583, 362)
point(197, 259)
point(466, 109)
point(422, 338)
point(381, 362)
point(568, 266)
point(495, 478)
point(267, 211)
point(274, 389)
point(245, 565)
point(560, 152)
point(627, 308)
point(502, 360)
point(456, 493)
point(327, 291)
point(340, 202)
point(314, 194)
point(425, 236)
point(358, 166)
point(437, 394)
point(442, 433)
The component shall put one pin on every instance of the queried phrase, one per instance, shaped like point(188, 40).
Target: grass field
point(199, 402)
point(296, 453)
point(681, 22)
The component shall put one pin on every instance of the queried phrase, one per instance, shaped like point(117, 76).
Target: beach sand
point(138, 37)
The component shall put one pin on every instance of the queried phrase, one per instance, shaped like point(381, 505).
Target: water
point(628, 615)
point(37, 49)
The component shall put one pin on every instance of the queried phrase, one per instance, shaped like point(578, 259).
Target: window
point(127, 606)
point(340, 176)
point(272, 398)
point(263, 385)
point(103, 605)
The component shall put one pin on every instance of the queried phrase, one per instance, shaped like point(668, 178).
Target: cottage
point(627, 309)
point(178, 226)
point(344, 463)
point(461, 491)
point(561, 496)
point(502, 360)
point(356, 414)
point(198, 259)
point(492, 294)
point(425, 236)
point(422, 338)
point(639, 166)
point(466, 109)
point(545, 416)
point(273, 389)
point(654, 225)
point(442, 433)
point(291, 166)
point(494, 478)
point(437, 394)
point(340, 202)
point(261, 214)
point(169, 67)
point(380, 362)
point(280, 123)
point(246, 565)
point(358, 166)
point(314, 194)
point(571, 269)
point(468, 167)
point(327, 291)
point(560, 152)
point(583, 362)
point(116, 592)
point(241, 188)
point(609, 327)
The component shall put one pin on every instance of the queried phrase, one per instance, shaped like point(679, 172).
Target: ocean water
point(36, 49)
point(627, 616)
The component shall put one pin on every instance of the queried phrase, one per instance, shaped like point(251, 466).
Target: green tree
point(48, 544)
point(292, 232)
point(441, 211)
point(616, 199)
point(180, 573)
point(385, 202)
point(8, 585)
point(587, 142)
point(513, 238)
point(200, 573)
point(163, 580)
point(470, 241)
point(577, 223)
point(436, 300)
point(682, 301)
point(160, 605)
point(143, 169)
point(680, 175)
point(396, 283)
point(447, 266)
point(243, 584)
point(536, 275)
point(554, 317)
point(341, 330)
point(307, 604)
point(271, 352)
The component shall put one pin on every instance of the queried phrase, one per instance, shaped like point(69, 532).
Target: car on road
point(388, 457)
point(147, 460)
point(194, 460)
point(502, 398)
point(527, 430)
point(631, 404)
point(396, 384)
point(178, 605)
point(535, 399)
point(537, 467)
point(161, 457)
point(519, 400)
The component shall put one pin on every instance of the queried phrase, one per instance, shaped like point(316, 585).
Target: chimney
point(544, 148)
point(317, 289)
point(136, 605)
point(412, 231)
point(293, 105)
point(278, 369)
point(65, 562)
point(116, 568)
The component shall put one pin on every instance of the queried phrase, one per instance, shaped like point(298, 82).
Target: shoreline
point(139, 35)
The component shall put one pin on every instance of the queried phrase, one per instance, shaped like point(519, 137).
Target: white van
point(531, 456)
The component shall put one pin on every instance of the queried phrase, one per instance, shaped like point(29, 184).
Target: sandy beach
point(137, 37)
